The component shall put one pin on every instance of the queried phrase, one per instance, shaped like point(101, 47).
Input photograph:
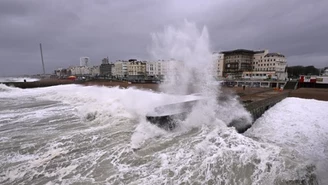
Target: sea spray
point(191, 66)
point(48, 142)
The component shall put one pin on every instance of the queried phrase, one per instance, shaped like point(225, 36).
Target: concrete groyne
point(36, 84)
point(55, 82)
point(261, 102)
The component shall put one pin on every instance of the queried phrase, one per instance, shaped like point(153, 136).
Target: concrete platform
point(258, 103)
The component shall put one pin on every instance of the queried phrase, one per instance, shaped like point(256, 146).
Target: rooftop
point(238, 51)
point(274, 55)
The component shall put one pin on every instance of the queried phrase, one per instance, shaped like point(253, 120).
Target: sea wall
point(257, 108)
point(36, 84)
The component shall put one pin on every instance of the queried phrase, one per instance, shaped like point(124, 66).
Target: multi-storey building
point(136, 69)
point(84, 70)
point(268, 66)
point(120, 69)
point(219, 64)
point(250, 64)
point(237, 61)
point(105, 69)
point(60, 72)
point(154, 68)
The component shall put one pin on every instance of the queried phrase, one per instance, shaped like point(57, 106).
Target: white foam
point(298, 125)
point(96, 147)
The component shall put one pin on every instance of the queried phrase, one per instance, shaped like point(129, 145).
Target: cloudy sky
point(121, 29)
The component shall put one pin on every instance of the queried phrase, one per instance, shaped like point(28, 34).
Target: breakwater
point(36, 84)
point(54, 82)
point(261, 102)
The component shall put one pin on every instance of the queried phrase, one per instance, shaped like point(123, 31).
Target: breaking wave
point(76, 134)
point(72, 134)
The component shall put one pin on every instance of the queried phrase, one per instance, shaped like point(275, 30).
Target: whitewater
point(98, 135)
point(74, 134)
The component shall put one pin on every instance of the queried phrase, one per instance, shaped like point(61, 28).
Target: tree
point(296, 71)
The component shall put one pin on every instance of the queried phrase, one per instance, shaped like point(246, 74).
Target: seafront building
point(155, 68)
point(240, 64)
point(120, 70)
point(106, 68)
point(219, 64)
point(136, 69)
point(253, 65)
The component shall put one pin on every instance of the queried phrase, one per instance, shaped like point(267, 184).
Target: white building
point(80, 70)
point(136, 69)
point(159, 68)
point(249, 64)
point(121, 69)
point(84, 61)
point(154, 68)
point(271, 62)
point(219, 63)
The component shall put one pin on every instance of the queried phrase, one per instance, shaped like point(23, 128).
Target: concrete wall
point(257, 108)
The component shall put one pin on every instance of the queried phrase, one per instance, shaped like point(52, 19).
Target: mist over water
point(191, 59)
point(73, 134)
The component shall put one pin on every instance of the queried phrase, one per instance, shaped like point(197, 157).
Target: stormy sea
point(74, 134)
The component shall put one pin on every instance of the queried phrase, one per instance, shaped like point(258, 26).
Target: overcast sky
point(121, 29)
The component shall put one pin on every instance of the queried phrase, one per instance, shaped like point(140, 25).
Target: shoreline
point(307, 93)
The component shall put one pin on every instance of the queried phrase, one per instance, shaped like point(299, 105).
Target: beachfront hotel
point(249, 64)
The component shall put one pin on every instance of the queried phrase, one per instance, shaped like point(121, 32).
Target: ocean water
point(74, 134)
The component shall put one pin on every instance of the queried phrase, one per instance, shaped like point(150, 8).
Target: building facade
point(249, 64)
point(60, 72)
point(219, 64)
point(105, 69)
point(136, 69)
point(80, 70)
point(120, 69)
point(236, 62)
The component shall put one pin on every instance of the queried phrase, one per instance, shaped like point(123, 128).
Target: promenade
point(247, 94)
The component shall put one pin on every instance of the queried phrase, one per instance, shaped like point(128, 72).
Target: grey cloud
point(121, 29)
